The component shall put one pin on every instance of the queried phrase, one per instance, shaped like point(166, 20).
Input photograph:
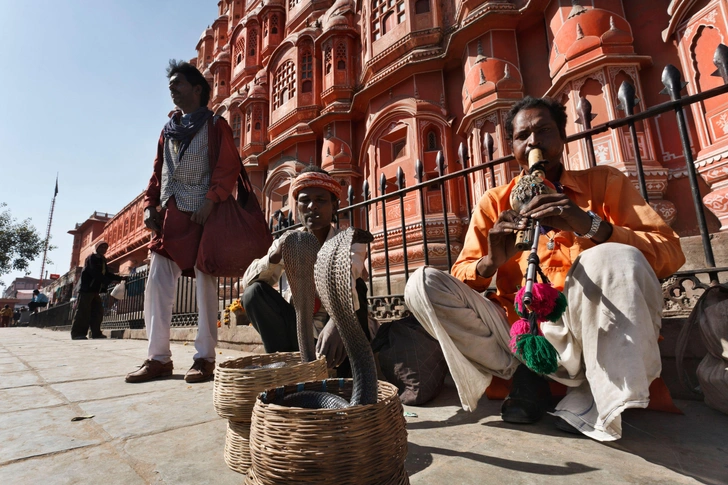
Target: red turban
point(315, 179)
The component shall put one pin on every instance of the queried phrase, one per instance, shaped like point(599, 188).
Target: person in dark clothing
point(39, 300)
point(95, 277)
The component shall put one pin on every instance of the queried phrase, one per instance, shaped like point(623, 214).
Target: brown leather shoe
point(150, 369)
point(200, 371)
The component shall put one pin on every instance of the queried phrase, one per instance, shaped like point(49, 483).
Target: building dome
point(336, 16)
point(206, 33)
point(585, 31)
point(489, 75)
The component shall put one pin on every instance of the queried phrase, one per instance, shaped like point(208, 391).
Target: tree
point(20, 243)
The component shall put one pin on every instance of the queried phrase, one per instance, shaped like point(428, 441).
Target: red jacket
point(180, 236)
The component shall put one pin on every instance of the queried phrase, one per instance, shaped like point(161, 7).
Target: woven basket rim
point(239, 364)
point(386, 391)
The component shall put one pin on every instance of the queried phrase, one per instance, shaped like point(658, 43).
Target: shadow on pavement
point(420, 457)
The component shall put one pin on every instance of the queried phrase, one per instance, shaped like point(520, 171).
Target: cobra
point(299, 250)
point(332, 278)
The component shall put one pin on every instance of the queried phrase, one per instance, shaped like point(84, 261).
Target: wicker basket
point(237, 450)
point(363, 445)
point(236, 387)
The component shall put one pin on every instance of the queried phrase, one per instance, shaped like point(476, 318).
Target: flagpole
point(48, 236)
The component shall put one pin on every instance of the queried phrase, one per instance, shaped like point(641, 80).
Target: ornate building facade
point(366, 87)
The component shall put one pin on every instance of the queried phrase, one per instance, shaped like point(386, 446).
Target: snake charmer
point(602, 245)
point(316, 196)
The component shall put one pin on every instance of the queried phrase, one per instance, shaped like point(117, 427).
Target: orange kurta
point(603, 190)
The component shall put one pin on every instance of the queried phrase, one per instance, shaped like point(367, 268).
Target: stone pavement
point(167, 432)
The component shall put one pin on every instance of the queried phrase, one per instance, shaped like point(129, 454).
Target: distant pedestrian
point(197, 166)
point(95, 278)
point(16, 317)
point(6, 314)
point(39, 300)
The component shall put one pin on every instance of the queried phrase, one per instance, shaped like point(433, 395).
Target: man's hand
point(558, 211)
point(501, 242)
point(330, 344)
point(153, 219)
point(201, 214)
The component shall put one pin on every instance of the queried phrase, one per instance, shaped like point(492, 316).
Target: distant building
point(21, 289)
point(85, 235)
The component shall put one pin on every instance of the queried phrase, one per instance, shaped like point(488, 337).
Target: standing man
point(6, 315)
point(95, 279)
point(197, 166)
point(603, 245)
point(39, 300)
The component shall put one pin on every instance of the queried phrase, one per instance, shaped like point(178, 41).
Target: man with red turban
point(317, 199)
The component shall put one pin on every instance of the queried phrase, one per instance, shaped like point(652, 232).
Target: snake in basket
point(332, 277)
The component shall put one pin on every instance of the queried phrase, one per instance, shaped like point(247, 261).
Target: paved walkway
point(167, 432)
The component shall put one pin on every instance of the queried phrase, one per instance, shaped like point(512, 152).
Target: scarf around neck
point(175, 130)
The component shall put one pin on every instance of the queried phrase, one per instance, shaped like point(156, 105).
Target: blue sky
point(85, 96)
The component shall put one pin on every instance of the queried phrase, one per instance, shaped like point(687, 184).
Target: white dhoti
point(159, 298)
point(606, 339)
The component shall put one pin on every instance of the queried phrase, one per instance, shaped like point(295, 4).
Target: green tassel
point(537, 353)
point(559, 308)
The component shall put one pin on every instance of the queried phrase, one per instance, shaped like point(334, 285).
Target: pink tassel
point(520, 327)
point(544, 300)
point(543, 303)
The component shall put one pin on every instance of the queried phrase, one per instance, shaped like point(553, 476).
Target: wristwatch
point(596, 222)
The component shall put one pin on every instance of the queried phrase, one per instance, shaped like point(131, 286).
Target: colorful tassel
point(548, 302)
point(537, 353)
point(528, 342)
point(520, 327)
point(559, 308)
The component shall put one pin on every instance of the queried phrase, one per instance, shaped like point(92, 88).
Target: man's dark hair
point(193, 76)
point(557, 110)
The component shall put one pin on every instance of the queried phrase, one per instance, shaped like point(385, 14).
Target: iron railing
point(680, 291)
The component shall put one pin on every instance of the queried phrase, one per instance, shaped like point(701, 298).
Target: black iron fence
point(385, 216)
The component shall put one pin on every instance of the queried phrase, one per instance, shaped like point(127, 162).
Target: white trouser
point(606, 339)
point(159, 300)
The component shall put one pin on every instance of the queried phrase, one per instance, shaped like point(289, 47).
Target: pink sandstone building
point(364, 88)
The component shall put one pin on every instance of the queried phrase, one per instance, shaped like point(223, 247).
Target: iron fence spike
point(382, 184)
point(419, 171)
point(400, 178)
point(440, 161)
point(720, 59)
point(672, 80)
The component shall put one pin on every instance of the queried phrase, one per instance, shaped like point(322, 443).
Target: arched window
point(265, 26)
point(306, 71)
point(248, 120)
point(239, 50)
point(341, 56)
point(252, 42)
point(327, 58)
point(236, 129)
point(386, 14)
point(422, 6)
point(284, 84)
point(274, 24)
point(258, 117)
point(432, 142)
